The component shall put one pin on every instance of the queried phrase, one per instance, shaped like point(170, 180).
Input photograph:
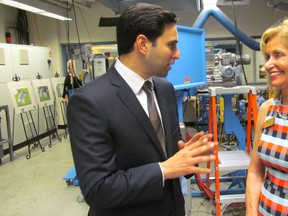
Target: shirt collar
point(132, 79)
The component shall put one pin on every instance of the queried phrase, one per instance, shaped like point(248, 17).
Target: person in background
point(71, 82)
point(124, 168)
point(267, 180)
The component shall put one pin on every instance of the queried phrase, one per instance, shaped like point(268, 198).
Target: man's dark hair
point(147, 19)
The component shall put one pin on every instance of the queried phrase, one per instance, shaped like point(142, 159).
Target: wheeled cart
point(71, 177)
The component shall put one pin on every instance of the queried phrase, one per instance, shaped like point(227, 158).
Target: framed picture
point(58, 86)
point(43, 92)
point(22, 96)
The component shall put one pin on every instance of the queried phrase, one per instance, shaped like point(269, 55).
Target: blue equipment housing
point(190, 70)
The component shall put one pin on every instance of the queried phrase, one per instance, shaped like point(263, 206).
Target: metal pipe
point(227, 23)
point(64, 5)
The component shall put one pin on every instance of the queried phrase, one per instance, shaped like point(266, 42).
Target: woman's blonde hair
point(70, 67)
point(278, 29)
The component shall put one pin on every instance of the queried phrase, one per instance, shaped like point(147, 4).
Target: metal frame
point(8, 140)
point(225, 200)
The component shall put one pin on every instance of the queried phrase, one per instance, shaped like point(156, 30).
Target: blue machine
point(189, 71)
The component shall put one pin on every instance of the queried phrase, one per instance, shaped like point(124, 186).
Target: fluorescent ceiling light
point(22, 6)
point(37, 7)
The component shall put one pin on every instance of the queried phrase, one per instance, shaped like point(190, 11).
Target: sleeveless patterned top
point(273, 152)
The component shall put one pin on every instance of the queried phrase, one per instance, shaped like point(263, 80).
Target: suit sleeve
point(103, 183)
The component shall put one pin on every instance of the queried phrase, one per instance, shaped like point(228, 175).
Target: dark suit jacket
point(116, 150)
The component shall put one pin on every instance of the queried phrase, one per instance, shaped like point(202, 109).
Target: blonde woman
point(267, 181)
point(71, 81)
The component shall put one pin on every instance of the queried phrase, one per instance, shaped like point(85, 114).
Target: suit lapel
point(129, 99)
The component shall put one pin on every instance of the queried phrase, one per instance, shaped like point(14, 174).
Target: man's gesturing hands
point(197, 150)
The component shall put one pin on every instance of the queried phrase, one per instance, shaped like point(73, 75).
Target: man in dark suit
point(121, 167)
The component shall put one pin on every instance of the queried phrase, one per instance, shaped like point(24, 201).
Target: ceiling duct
point(108, 21)
point(118, 6)
point(277, 4)
point(80, 3)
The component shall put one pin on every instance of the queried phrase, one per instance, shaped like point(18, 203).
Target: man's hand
point(197, 136)
point(197, 150)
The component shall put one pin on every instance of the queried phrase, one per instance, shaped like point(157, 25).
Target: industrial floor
point(35, 187)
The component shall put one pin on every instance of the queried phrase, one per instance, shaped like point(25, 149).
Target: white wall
point(36, 63)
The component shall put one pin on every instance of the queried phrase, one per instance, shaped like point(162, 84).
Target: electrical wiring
point(85, 25)
point(68, 34)
point(238, 41)
point(77, 31)
point(22, 28)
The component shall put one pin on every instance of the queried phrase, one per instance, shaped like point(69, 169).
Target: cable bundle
point(22, 28)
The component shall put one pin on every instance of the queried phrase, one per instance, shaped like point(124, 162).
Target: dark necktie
point(153, 114)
